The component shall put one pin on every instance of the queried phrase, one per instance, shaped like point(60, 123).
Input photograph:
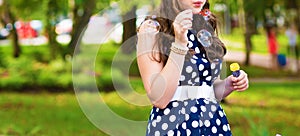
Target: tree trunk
point(10, 18)
point(250, 28)
point(16, 45)
point(55, 47)
point(298, 20)
point(248, 47)
point(80, 23)
point(129, 31)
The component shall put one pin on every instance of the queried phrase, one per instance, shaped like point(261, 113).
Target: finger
point(180, 19)
point(147, 30)
point(147, 27)
point(242, 85)
point(144, 25)
point(240, 78)
point(233, 79)
point(186, 22)
point(149, 23)
point(242, 75)
point(242, 88)
point(186, 25)
point(240, 82)
point(185, 15)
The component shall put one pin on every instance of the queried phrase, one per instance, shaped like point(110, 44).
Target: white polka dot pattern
point(206, 71)
point(197, 50)
point(171, 133)
point(172, 118)
point(157, 133)
point(164, 126)
point(195, 124)
point(218, 122)
point(190, 44)
point(189, 69)
point(193, 109)
point(195, 117)
point(214, 129)
point(192, 37)
point(207, 123)
point(225, 128)
point(167, 111)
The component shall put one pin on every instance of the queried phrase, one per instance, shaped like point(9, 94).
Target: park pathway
point(256, 59)
point(260, 60)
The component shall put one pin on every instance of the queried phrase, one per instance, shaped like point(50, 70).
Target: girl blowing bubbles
point(181, 75)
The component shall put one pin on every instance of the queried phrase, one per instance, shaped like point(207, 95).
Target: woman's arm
point(161, 81)
point(225, 87)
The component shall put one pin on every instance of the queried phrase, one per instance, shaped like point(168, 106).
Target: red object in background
point(205, 12)
point(24, 30)
point(272, 42)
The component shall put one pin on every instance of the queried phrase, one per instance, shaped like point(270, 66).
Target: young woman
point(181, 75)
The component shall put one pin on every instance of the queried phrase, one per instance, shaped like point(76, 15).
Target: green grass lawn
point(264, 109)
point(43, 114)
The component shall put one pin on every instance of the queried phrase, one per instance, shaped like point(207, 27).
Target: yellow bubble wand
point(235, 68)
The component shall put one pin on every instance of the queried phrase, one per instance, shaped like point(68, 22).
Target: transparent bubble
point(205, 38)
point(154, 24)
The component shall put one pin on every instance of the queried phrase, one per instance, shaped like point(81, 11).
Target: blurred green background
point(38, 39)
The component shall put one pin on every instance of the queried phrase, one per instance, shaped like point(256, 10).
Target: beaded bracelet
point(178, 49)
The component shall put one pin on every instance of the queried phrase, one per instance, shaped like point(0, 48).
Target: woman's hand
point(148, 26)
point(240, 83)
point(182, 23)
point(146, 36)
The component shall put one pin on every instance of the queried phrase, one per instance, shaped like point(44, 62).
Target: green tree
point(264, 12)
point(14, 10)
point(250, 24)
point(250, 12)
point(7, 17)
point(82, 10)
point(293, 8)
point(128, 11)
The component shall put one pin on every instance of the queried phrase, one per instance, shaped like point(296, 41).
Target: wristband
point(178, 49)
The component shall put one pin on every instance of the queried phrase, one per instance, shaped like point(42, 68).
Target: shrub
point(23, 71)
point(108, 81)
point(39, 56)
point(28, 73)
point(84, 82)
point(13, 83)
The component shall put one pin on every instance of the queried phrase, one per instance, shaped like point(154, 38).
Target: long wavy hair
point(166, 15)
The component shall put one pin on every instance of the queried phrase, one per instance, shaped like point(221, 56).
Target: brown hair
point(166, 14)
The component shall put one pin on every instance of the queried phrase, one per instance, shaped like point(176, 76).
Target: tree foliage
point(28, 9)
point(254, 12)
point(52, 11)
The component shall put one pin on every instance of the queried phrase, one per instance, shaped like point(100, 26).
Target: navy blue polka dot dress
point(192, 117)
